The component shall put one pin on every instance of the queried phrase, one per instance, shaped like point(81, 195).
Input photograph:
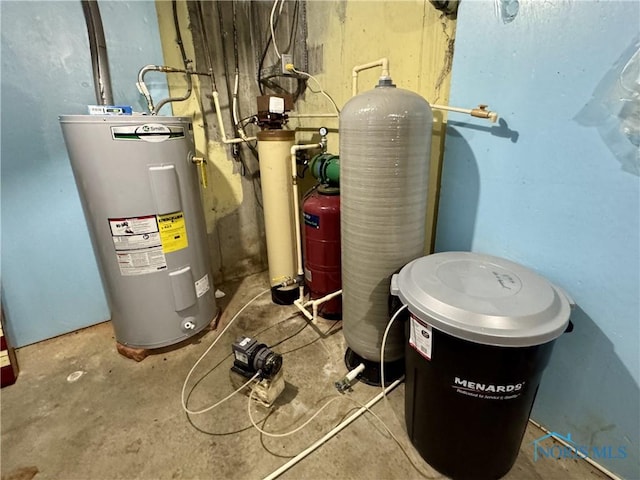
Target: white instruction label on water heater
point(140, 262)
point(420, 337)
point(202, 286)
point(133, 225)
point(138, 245)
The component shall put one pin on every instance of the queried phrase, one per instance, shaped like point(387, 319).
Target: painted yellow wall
point(413, 35)
point(224, 193)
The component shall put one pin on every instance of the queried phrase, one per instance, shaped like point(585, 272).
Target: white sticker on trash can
point(420, 337)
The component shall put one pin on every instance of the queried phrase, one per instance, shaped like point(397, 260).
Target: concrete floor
point(123, 419)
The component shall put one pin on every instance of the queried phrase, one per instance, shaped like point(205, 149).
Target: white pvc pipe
point(383, 62)
point(314, 304)
point(296, 207)
point(223, 135)
point(355, 372)
point(234, 108)
point(303, 309)
point(313, 115)
point(326, 298)
point(305, 453)
point(474, 112)
point(320, 301)
point(479, 112)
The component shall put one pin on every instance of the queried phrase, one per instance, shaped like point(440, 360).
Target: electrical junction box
point(287, 59)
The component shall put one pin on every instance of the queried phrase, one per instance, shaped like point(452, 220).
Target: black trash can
point(480, 331)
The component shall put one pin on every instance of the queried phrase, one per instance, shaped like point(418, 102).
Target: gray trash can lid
point(483, 299)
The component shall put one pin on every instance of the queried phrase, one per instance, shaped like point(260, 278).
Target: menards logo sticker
point(488, 391)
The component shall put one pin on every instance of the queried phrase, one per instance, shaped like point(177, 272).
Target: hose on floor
point(186, 380)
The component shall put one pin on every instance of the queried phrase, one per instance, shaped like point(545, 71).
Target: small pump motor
point(251, 357)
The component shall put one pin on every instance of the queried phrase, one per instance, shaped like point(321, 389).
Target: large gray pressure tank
point(385, 140)
point(139, 190)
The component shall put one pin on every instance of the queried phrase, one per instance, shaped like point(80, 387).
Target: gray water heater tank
point(385, 141)
point(139, 191)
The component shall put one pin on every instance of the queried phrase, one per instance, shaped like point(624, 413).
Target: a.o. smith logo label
point(149, 132)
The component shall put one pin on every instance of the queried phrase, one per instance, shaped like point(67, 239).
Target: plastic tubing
point(186, 380)
point(234, 110)
point(306, 452)
point(273, 30)
point(384, 344)
point(295, 430)
point(223, 134)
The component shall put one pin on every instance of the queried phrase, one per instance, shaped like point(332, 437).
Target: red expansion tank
point(321, 212)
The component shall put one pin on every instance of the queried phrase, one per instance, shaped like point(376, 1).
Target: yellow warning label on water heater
point(173, 232)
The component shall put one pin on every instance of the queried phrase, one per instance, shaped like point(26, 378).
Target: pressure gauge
point(324, 131)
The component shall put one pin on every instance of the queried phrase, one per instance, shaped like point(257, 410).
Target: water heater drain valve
point(188, 325)
point(251, 357)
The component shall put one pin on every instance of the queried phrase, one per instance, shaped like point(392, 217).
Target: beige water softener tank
point(274, 151)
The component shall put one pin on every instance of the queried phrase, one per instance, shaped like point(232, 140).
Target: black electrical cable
point(235, 150)
point(212, 369)
point(185, 61)
point(235, 35)
point(329, 331)
point(209, 63)
point(237, 65)
point(304, 170)
point(255, 178)
point(310, 191)
point(301, 82)
point(263, 56)
point(223, 43)
point(205, 44)
point(237, 153)
point(176, 24)
point(265, 81)
point(247, 120)
point(294, 26)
